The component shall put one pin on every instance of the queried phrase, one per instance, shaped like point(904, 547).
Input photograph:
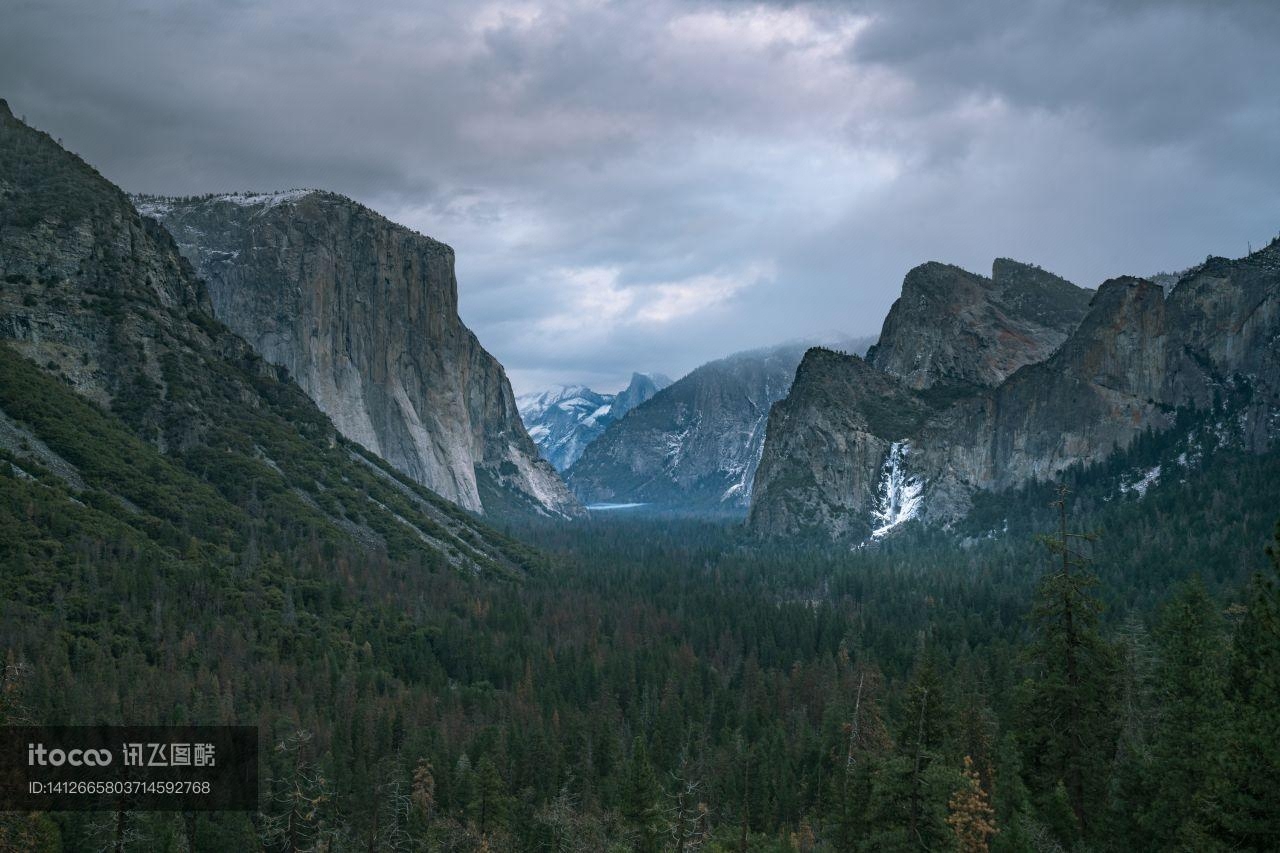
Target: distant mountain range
point(695, 445)
point(303, 332)
point(562, 421)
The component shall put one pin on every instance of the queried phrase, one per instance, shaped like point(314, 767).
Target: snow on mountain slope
point(562, 421)
point(696, 445)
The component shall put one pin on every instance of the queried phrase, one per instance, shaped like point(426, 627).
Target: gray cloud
point(648, 185)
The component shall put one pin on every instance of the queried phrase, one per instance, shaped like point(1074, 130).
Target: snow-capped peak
point(564, 419)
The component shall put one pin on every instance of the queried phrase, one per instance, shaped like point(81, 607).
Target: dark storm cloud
point(647, 185)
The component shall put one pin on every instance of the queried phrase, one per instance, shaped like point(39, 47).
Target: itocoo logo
point(38, 755)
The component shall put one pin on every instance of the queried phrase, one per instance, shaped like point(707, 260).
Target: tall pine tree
point(1188, 738)
point(1068, 702)
point(1250, 800)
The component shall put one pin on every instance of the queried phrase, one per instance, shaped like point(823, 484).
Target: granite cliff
point(1005, 390)
point(193, 441)
point(953, 327)
point(363, 313)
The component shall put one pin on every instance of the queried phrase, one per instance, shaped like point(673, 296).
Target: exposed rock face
point(91, 290)
point(827, 441)
point(695, 445)
point(563, 421)
point(1098, 391)
point(1227, 317)
point(100, 297)
point(951, 326)
point(641, 389)
point(364, 315)
point(1128, 365)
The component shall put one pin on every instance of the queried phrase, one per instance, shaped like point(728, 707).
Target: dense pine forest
point(658, 684)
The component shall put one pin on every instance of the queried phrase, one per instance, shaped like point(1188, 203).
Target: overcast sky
point(648, 185)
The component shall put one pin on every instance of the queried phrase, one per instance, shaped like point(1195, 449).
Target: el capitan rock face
point(364, 315)
point(1132, 360)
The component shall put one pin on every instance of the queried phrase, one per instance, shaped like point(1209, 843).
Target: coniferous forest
point(661, 683)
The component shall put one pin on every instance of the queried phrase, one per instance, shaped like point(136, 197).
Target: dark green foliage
point(1251, 810)
point(639, 799)
point(488, 797)
point(585, 684)
point(1185, 757)
point(1068, 703)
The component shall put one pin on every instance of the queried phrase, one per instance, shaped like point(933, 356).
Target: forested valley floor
point(654, 683)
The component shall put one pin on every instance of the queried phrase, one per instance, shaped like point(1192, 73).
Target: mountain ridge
point(96, 300)
point(1132, 360)
point(695, 446)
point(565, 419)
point(363, 312)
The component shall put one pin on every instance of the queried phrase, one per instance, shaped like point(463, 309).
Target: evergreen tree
point(640, 800)
point(1129, 791)
point(1188, 739)
point(488, 797)
point(908, 807)
point(1251, 807)
point(1068, 702)
point(926, 725)
point(865, 741)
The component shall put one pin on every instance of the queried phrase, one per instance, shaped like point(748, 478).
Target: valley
point(1003, 578)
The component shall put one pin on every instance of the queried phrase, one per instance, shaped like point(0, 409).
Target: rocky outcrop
point(1126, 367)
point(953, 327)
point(694, 446)
point(363, 313)
point(563, 421)
point(1099, 390)
point(1226, 314)
point(826, 443)
point(641, 389)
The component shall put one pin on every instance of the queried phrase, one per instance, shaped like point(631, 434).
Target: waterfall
point(899, 494)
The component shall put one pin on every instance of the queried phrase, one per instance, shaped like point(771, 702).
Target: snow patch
point(900, 495)
point(1145, 482)
point(744, 469)
point(270, 199)
point(154, 209)
point(675, 446)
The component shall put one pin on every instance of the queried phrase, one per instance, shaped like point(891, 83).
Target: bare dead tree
point(854, 733)
point(299, 797)
point(687, 817)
